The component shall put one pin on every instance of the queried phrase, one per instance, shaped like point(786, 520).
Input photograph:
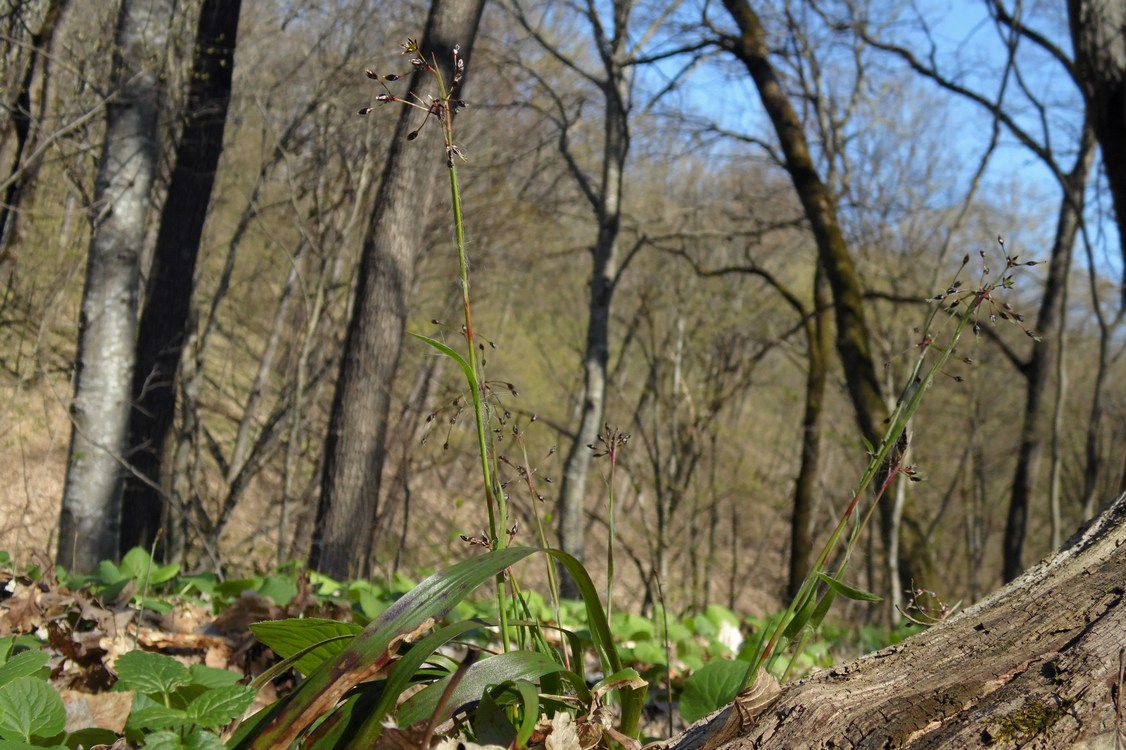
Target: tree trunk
point(1039, 664)
point(355, 446)
point(1037, 369)
point(1098, 33)
point(819, 205)
point(91, 508)
point(607, 204)
point(819, 341)
point(162, 330)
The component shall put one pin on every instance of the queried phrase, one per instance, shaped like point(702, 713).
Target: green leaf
point(288, 637)
point(531, 700)
point(847, 591)
point(163, 740)
point(151, 673)
point(197, 739)
point(146, 713)
point(219, 706)
point(444, 349)
point(29, 707)
point(89, 737)
point(720, 615)
point(280, 589)
point(370, 651)
point(23, 664)
point(648, 652)
point(212, 677)
point(713, 686)
point(514, 665)
point(490, 724)
point(138, 565)
point(108, 573)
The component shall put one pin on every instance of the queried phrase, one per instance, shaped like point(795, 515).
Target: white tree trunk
point(91, 510)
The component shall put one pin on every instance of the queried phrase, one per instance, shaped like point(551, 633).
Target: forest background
point(933, 135)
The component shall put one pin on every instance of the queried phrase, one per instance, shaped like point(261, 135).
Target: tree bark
point(1037, 368)
point(853, 340)
point(91, 508)
point(606, 200)
point(819, 340)
point(1098, 33)
point(162, 330)
point(355, 447)
point(1039, 664)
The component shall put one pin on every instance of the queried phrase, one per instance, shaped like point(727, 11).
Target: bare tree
point(618, 49)
point(91, 510)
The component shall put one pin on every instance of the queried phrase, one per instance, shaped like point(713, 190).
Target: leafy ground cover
point(140, 654)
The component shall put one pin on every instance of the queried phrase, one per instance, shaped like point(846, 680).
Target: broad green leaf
point(847, 591)
point(197, 739)
point(18, 745)
point(204, 583)
point(151, 673)
point(89, 737)
point(280, 589)
point(713, 686)
point(490, 724)
point(720, 615)
point(219, 706)
point(370, 651)
point(649, 652)
point(212, 677)
point(23, 664)
point(514, 665)
point(108, 573)
point(146, 713)
point(137, 564)
point(288, 637)
point(29, 707)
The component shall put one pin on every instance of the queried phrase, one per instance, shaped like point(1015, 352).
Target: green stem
point(908, 404)
point(498, 520)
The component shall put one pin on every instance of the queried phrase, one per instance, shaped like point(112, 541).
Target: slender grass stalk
point(805, 609)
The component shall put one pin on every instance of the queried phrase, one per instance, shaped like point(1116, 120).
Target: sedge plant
point(965, 308)
point(355, 682)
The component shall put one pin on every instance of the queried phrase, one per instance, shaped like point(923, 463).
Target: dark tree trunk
point(819, 341)
point(1037, 369)
point(1098, 33)
point(91, 507)
point(819, 205)
point(163, 325)
point(1038, 664)
point(355, 447)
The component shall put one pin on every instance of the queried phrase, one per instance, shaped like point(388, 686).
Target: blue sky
point(968, 49)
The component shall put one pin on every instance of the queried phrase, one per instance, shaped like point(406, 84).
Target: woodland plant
point(751, 681)
point(355, 681)
point(356, 678)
